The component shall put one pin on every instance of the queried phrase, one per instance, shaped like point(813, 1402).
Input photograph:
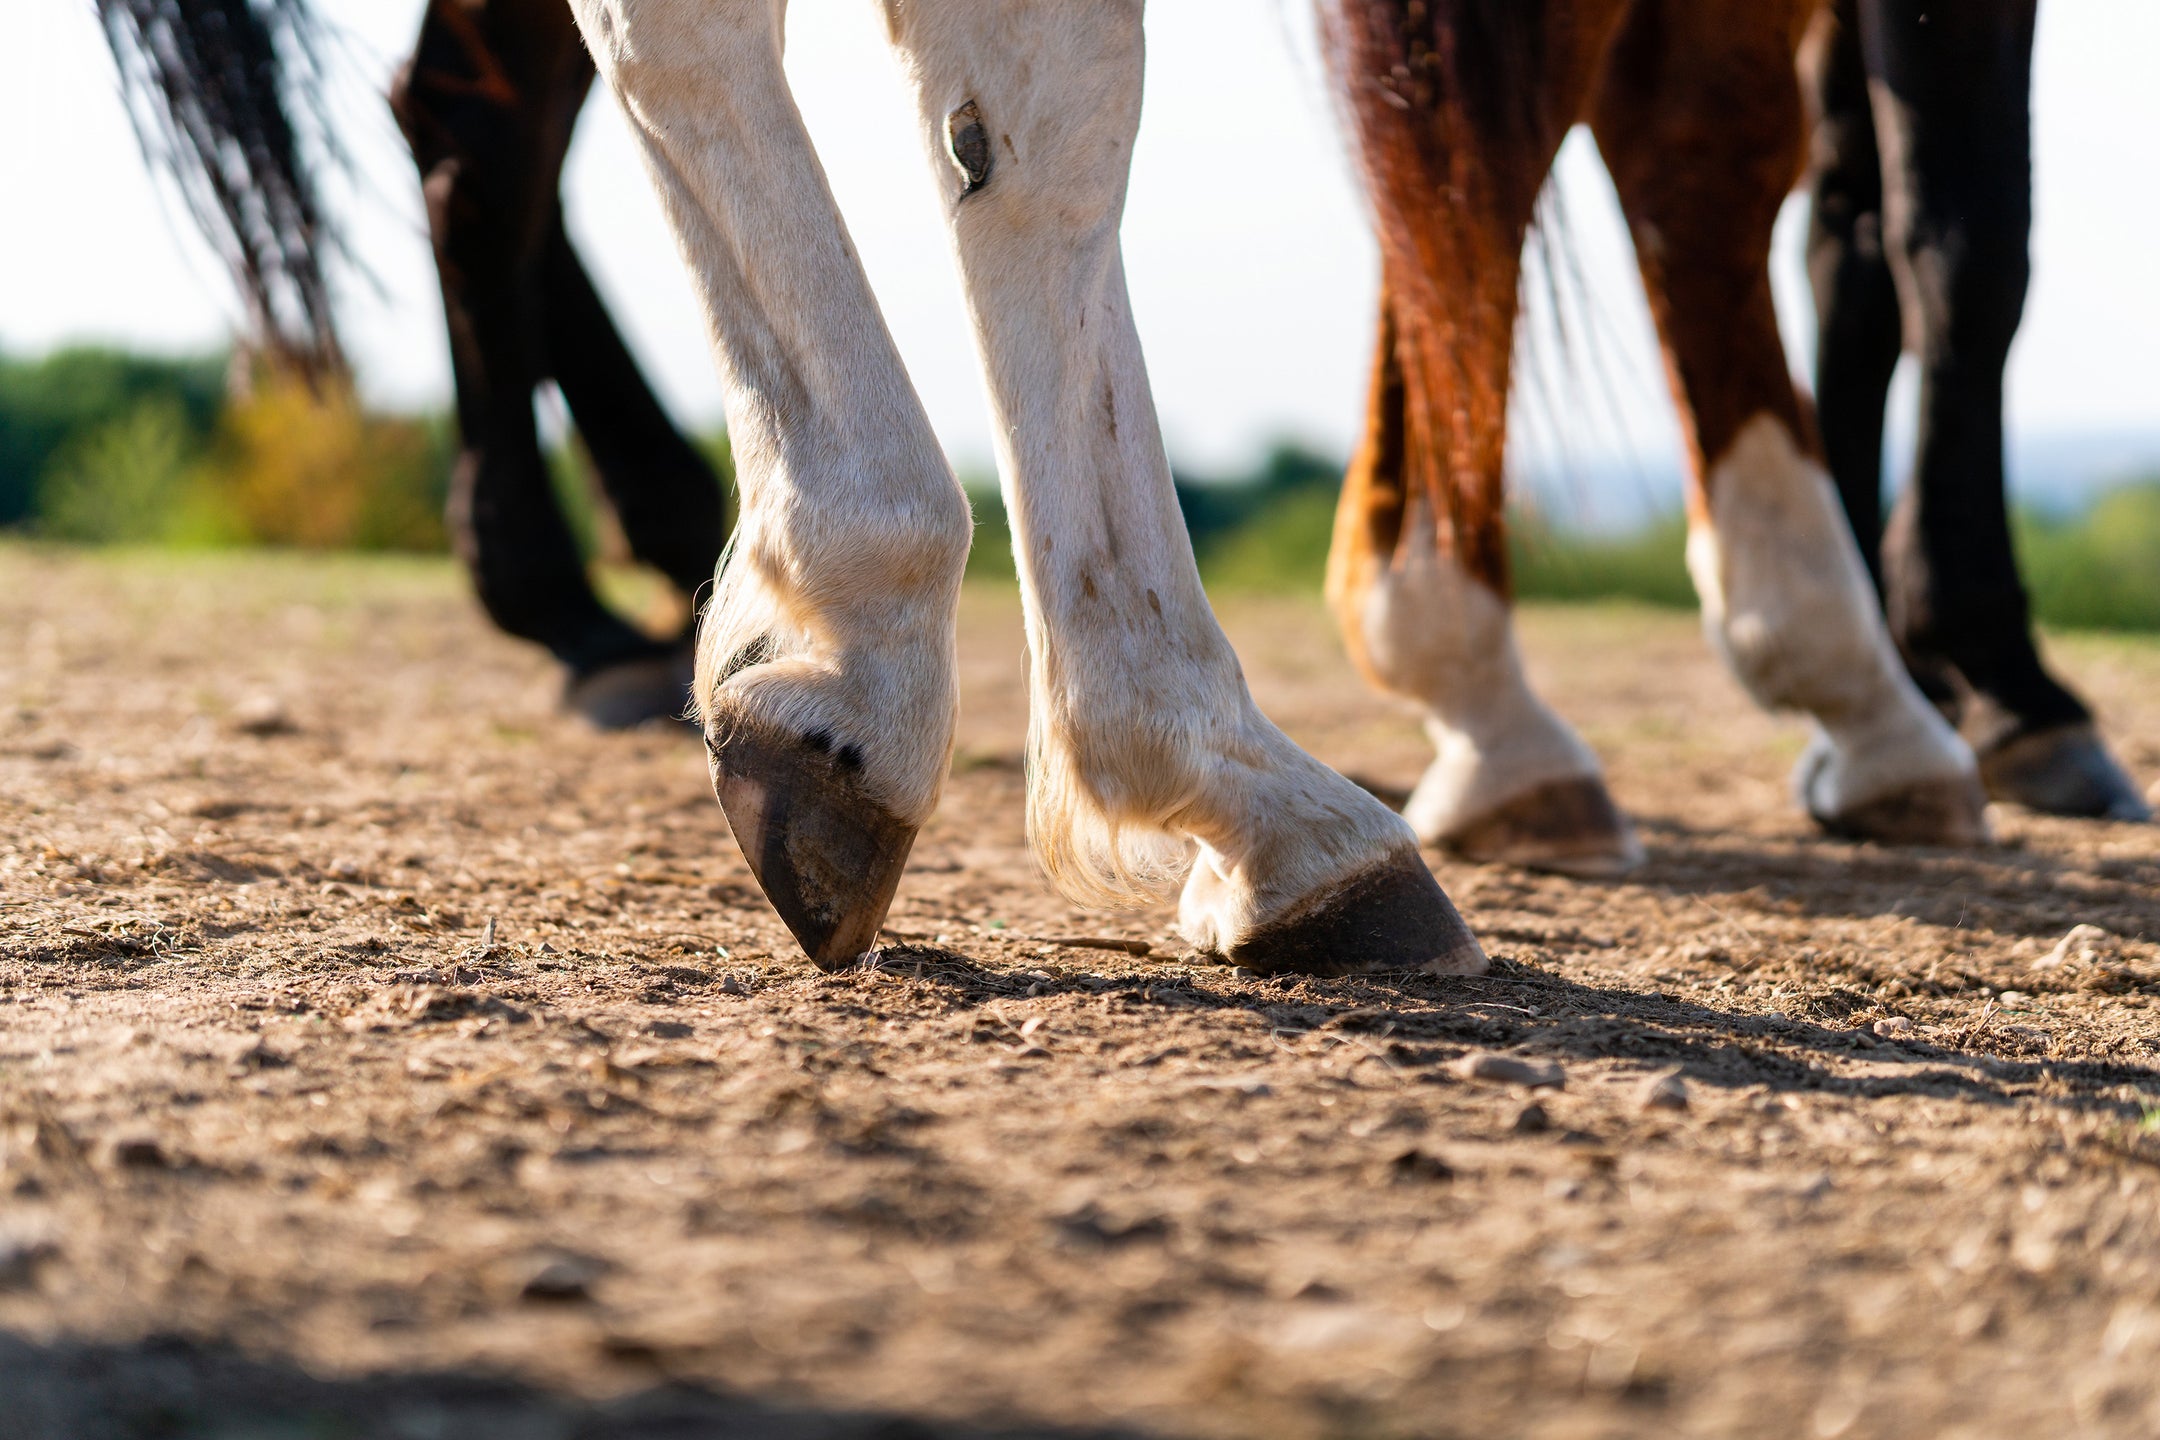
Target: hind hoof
point(1390, 916)
point(630, 693)
point(2063, 771)
point(1946, 811)
point(827, 856)
point(1570, 827)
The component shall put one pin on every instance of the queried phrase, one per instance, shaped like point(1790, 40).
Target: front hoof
point(2062, 771)
point(634, 692)
point(827, 856)
point(1570, 827)
point(1390, 916)
point(1948, 810)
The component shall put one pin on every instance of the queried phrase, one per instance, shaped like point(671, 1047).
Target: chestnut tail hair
point(1449, 102)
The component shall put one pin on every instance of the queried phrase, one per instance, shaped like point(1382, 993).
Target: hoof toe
point(2063, 771)
point(1390, 916)
point(827, 856)
point(1568, 826)
point(630, 693)
point(1945, 811)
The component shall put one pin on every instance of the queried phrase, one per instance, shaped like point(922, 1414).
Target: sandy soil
point(382, 1054)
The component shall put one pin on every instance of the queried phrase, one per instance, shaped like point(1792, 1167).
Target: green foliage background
point(100, 446)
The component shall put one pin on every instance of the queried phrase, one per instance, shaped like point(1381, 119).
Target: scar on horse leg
point(1699, 118)
point(826, 659)
point(1145, 743)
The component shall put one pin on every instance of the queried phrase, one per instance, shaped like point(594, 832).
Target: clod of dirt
point(1092, 1227)
point(261, 715)
point(137, 1152)
point(1493, 1069)
point(563, 1280)
point(21, 1257)
point(2084, 942)
point(1416, 1165)
point(257, 1056)
point(1532, 1120)
point(1663, 1092)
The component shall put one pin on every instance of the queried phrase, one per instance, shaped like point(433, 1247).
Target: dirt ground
point(383, 1054)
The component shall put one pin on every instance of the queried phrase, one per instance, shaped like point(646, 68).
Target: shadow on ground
point(162, 1388)
point(1420, 1021)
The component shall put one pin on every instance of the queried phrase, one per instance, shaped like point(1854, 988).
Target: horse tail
point(1446, 102)
point(227, 97)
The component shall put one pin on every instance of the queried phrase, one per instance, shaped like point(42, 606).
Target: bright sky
point(1247, 250)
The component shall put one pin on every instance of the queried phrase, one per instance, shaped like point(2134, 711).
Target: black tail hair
point(227, 96)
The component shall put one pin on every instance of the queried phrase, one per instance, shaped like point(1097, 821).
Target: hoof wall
point(2063, 771)
point(1570, 827)
point(1949, 811)
point(633, 692)
point(1391, 916)
point(827, 856)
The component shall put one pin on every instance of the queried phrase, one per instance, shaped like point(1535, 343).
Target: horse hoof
point(1947, 810)
point(827, 856)
point(633, 692)
point(1390, 916)
point(1570, 827)
point(2062, 771)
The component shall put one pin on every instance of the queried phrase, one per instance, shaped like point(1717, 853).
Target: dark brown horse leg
point(1858, 332)
point(1700, 120)
point(1952, 105)
point(487, 106)
point(673, 509)
point(1417, 574)
point(1856, 301)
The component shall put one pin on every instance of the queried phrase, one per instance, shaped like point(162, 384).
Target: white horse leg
point(1145, 744)
point(1787, 604)
point(1510, 782)
point(825, 661)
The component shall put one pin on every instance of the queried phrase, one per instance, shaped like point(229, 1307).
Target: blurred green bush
point(100, 446)
point(1269, 530)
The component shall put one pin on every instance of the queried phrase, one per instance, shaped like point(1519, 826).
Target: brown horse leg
point(1417, 573)
point(1952, 95)
point(1699, 118)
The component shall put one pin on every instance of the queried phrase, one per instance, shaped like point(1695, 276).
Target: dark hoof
point(1949, 811)
point(828, 857)
point(1569, 826)
point(630, 693)
point(2063, 771)
point(1391, 916)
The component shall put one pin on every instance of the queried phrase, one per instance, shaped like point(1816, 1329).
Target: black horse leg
point(1952, 110)
point(487, 105)
point(673, 510)
point(1856, 301)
